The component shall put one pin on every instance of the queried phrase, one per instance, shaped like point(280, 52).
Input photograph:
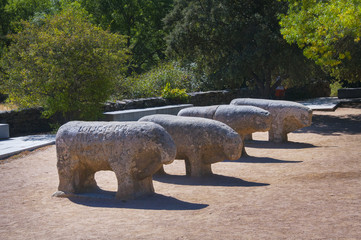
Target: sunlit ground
point(7, 107)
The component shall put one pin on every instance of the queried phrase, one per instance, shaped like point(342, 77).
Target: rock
point(287, 116)
point(243, 119)
point(200, 142)
point(133, 150)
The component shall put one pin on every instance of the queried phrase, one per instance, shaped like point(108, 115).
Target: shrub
point(64, 64)
point(335, 86)
point(174, 94)
point(152, 83)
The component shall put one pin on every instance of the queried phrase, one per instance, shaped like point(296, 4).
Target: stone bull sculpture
point(243, 119)
point(133, 150)
point(200, 142)
point(287, 116)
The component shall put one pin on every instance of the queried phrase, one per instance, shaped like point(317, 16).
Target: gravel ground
point(308, 188)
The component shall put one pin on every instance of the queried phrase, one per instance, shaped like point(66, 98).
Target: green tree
point(25, 9)
point(235, 42)
point(329, 33)
point(13, 11)
point(140, 20)
point(4, 24)
point(65, 64)
point(4, 27)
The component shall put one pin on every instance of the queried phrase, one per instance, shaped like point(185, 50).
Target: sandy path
point(309, 188)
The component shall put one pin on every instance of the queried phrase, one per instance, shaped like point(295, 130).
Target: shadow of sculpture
point(273, 145)
point(251, 159)
point(334, 125)
point(106, 199)
point(212, 180)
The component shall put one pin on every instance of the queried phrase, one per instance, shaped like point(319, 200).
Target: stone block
point(4, 131)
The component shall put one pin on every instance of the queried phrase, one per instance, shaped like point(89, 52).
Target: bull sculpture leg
point(244, 153)
point(144, 187)
point(125, 181)
point(84, 179)
point(195, 167)
point(129, 186)
point(277, 135)
point(76, 179)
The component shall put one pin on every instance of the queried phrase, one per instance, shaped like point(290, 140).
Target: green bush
point(175, 94)
point(65, 64)
point(334, 88)
point(152, 83)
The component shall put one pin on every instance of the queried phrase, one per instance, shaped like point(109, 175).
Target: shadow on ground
point(334, 125)
point(106, 199)
point(213, 180)
point(251, 159)
point(273, 145)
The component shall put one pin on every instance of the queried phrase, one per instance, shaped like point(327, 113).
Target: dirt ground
point(309, 188)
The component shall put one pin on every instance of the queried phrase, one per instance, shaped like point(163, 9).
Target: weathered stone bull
point(200, 142)
point(243, 119)
point(133, 150)
point(287, 116)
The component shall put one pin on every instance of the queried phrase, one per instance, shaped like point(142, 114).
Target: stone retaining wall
point(25, 122)
point(349, 93)
point(196, 98)
point(218, 97)
point(311, 90)
point(127, 104)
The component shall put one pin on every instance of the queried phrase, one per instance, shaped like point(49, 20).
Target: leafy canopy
point(65, 64)
point(140, 20)
point(329, 33)
point(235, 42)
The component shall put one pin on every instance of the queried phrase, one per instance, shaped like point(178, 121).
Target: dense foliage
point(63, 63)
point(13, 11)
point(329, 32)
point(140, 20)
point(4, 25)
point(153, 82)
point(235, 42)
point(68, 55)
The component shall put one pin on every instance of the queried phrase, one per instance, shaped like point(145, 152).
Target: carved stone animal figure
point(243, 119)
point(133, 150)
point(200, 142)
point(287, 116)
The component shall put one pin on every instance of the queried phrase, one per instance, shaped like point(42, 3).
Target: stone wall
point(218, 97)
point(135, 104)
point(24, 122)
point(349, 93)
point(311, 90)
point(196, 98)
